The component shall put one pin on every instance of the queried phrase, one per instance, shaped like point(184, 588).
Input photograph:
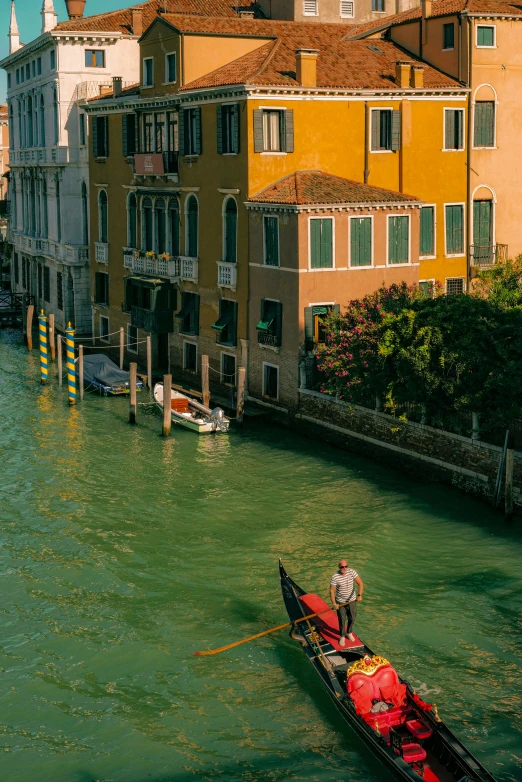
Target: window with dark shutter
point(427, 231)
point(484, 124)
point(226, 325)
point(100, 137)
point(59, 290)
point(288, 124)
point(219, 128)
point(321, 243)
point(398, 239)
point(270, 327)
point(454, 229)
point(360, 241)
point(47, 284)
point(454, 129)
point(448, 36)
point(101, 288)
point(395, 140)
point(258, 130)
point(129, 134)
point(271, 240)
point(385, 130)
point(189, 313)
point(228, 129)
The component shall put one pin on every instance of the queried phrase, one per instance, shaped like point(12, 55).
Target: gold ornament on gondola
point(367, 665)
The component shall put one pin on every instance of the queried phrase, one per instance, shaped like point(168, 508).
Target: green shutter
point(288, 127)
point(315, 243)
point(449, 134)
point(182, 123)
point(271, 225)
point(95, 136)
point(219, 128)
point(232, 331)
point(278, 309)
point(426, 230)
point(376, 129)
point(396, 130)
point(309, 327)
point(326, 243)
point(235, 128)
point(198, 141)
point(360, 241)
point(484, 131)
point(195, 314)
point(124, 133)
point(459, 123)
point(258, 130)
point(105, 121)
point(454, 229)
point(485, 36)
point(398, 239)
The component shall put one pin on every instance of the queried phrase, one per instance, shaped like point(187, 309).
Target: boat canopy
point(101, 368)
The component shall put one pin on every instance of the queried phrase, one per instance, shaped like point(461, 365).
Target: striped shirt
point(344, 585)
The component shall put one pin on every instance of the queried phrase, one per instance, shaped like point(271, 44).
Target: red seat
point(327, 624)
point(418, 729)
point(413, 753)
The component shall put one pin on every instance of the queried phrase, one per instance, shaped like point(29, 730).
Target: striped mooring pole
point(71, 369)
point(44, 358)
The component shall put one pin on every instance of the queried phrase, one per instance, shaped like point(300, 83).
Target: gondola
point(408, 737)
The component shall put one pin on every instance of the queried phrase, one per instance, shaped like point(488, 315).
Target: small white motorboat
point(186, 412)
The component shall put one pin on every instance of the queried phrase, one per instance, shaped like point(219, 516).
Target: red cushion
point(418, 729)
point(395, 693)
point(327, 623)
point(386, 676)
point(413, 753)
point(362, 697)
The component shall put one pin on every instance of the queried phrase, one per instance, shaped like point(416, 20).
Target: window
point(148, 132)
point(56, 116)
point(346, 8)
point(159, 131)
point(52, 56)
point(147, 239)
point(270, 327)
point(271, 240)
point(486, 35)
point(104, 329)
point(16, 269)
point(29, 139)
point(190, 357)
point(39, 276)
point(228, 369)
point(138, 293)
point(132, 339)
point(95, 58)
point(310, 7)
point(321, 243)
point(100, 136)
point(129, 134)
point(427, 288)
point(33, 68)
point(427, 231)
point(448, 36)
point(81, 120)
point(398, 239)
point(230, 231)
point(59, 290)
point(453, 129)
point(170, 68)
point(132, 221)
point(148, 72)
point(484, 124)
point(58, 213)
point(8, 81)
point(226, 324)
point(378, 5)
point(172, 131)
point(42, 121)
point(190, 128)
point(101, 292)
point(454, 285)
point(454, 229)
point(18, 75)
point(227, 119)
point(160, 217)
point(28, 71)
point(173, 226)
point(273, 130)
point(270, 381)
point(315, 332)
point(189, 313)
point(39, 66)
point(192, 219)
point(386, 130)
point(360, 241)
point(103, 217)
point(47, 284)
point(85, 215)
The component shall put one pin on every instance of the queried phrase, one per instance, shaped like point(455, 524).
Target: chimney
point(417, 77)
point(246, 14)
point(75, 8)
point(306, 67)
point(137, 21)
point(426, 8)
point(402, 73)
point(116, 86)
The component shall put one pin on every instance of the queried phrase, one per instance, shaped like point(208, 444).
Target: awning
point(145, 282)
point(264, 325)
point(320, 310)
point(187, 308)
point(223, 321)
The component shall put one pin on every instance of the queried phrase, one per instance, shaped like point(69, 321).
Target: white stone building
point(49, 224)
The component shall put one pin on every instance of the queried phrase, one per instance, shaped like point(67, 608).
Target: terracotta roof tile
point(318, 187)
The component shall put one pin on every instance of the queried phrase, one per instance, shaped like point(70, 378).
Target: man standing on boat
point(342, 590)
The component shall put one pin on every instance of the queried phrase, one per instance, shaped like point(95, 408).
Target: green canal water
point(122, 553)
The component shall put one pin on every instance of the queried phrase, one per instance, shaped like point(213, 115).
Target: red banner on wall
point(148, 163)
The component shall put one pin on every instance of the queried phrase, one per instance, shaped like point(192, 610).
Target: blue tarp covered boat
point(103, 375)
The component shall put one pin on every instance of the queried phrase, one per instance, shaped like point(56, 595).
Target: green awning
point(145, 282)
point(223, 321)
point(187, 308)
point(264, 325)
point(320, 310)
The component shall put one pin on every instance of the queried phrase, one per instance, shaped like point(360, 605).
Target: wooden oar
point(265, 632)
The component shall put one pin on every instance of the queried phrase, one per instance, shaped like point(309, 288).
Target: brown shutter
point(396, 130)
point(258, 130)
point(219, 128)
point(289, 130)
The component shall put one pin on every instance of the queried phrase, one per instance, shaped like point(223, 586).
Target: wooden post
point(80, 369)
point(241, 383)
point(510, 458)
point(24, 315)
point(204, 381)
point(149, 364)
point(71, 367)
point(122, 346)
point(60, 370)
point(132, 396)
point(44, 355)
point(167, 417)
point(51, 336)
point(30, 313)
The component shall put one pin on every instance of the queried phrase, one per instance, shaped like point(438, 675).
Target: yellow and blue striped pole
point(71, 369)
point(44, 359)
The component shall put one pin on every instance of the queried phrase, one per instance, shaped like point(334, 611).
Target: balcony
point(188, 268)
point(101, 252)
point(227, 274)
point(484, 255)
point(169, 267)
point(155, 321)
point(265, 338)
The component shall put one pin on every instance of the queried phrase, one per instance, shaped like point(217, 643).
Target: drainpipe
point(468, 182)
point(460, 47)
point(366, 141)
point(182, 62)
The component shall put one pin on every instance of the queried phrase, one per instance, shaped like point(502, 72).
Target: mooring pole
point(204, 381)
point(51, 336)
point(132, 396)
point(60, 370)
point(510, 459)
point(24, 315)
point(44, 360)
point(122, 347)
point(241, 383)
point(80, 370)
point(30, 314)
point(149, 364)
point(71, 369)
point(167, 395)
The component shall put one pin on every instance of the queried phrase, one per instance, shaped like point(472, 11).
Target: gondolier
point(342, 590)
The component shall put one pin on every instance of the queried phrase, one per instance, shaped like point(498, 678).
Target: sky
point(30, 22)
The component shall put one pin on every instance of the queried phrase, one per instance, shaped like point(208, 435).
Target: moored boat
point(101, 374)
point(191, 414)
point(406, 733)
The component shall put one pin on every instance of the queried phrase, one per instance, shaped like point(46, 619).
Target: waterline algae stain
point(123, 552)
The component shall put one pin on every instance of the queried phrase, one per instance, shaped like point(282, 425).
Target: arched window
point(58, 213)
point(173, 226)
point(191, 213)
point(103, 217)
point(29, 121)
point(85, 214)
point(230, 231)
point(160, 214)
point(132, 234)
point(147, 240)
point(42, 121)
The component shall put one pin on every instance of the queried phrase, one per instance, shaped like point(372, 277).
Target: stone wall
point(470, 465)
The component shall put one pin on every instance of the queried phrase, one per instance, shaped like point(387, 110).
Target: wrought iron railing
point(265, 338)
point(488, 254)
point(156, 321)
